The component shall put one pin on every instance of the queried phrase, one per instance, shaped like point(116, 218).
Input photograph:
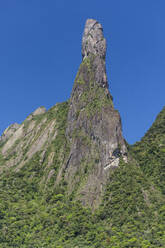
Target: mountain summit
point(93, 41)
point(92, 132)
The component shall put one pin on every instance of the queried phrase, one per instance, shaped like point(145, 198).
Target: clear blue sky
point(40, 52)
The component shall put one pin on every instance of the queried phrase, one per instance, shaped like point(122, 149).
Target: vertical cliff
point(93, 125)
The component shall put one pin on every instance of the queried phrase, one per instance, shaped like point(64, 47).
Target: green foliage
point(30, 217)
point(150, 152)
point(34, 212)
point(93, 98)
point(2, 160)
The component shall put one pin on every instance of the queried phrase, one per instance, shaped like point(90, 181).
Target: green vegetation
point(32, 217)
point(94, 99)
point(37, 212)
point(92, 96)
point(150, 152)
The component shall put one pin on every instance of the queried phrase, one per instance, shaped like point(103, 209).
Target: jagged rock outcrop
point(38, 111)
point(93, 126)
point(9, 132)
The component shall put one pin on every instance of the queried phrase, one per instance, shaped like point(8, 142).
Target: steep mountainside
point(150, 152)
point(68, 179)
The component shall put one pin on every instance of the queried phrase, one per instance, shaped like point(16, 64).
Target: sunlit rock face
point(93, 41)
point(9, 132)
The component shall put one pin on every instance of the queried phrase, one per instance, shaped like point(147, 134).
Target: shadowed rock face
point(94, 126)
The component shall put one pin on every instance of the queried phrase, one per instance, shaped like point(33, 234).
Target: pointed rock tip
point(93, 41)
point(9, 131)
point(39, 111)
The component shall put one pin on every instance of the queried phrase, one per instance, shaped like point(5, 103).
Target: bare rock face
point(93, 41)
point(9, 132)
point(38, 111)
point(94, 45)
point(94, 126)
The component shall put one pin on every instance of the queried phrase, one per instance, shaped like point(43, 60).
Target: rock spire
point(93, 41)
point(93, 125)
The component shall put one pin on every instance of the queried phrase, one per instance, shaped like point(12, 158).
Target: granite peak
point(93, 41)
